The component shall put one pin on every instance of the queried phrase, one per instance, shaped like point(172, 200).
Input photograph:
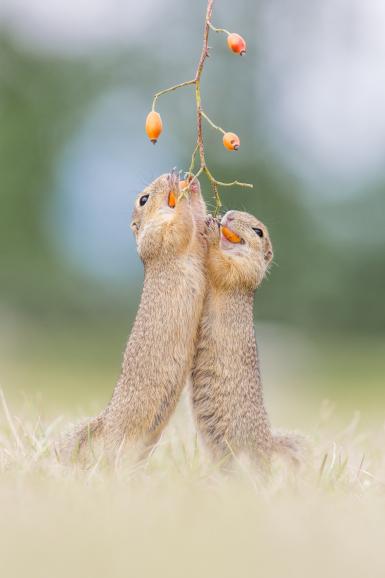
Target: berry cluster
point(231, 141)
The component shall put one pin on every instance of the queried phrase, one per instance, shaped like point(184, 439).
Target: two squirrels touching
point(195, 317)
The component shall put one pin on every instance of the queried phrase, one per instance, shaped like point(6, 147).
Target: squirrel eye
point(143, 200)
point(258, 231)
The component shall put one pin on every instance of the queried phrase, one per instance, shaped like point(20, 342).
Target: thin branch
point(233, 184)
point(199, 147)
point(198, 173)
point(171, 89)
point(222, 184)
point(211, 123)
point(218, 202)
point(192, 164)
point(203, 56)
point(214, 29)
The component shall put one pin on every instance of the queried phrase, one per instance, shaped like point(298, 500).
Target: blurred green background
point(76, 83)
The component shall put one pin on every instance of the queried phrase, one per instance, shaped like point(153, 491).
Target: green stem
point(171, 89)
point(219, 29)
point(215, 184)
point(211, 123)
point(192, 164)
point(222, 184)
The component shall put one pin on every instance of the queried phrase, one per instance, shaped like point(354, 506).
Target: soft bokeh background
point(76, 82)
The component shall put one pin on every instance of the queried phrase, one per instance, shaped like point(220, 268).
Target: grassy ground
point(176, 514)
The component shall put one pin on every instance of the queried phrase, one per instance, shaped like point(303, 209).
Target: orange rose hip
point(171, 199)
point(230, 235)
point(231, 141)
point(236, 44)
point(154, 126)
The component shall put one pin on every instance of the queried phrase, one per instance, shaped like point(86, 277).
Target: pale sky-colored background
point(326, 71)
point(77, 79)
point(312, 93)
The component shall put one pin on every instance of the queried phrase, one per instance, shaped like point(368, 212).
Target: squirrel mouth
point(229, 235)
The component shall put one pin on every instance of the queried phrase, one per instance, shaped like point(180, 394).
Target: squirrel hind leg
point(293, 447)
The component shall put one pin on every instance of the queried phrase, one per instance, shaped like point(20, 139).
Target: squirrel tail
point(79, 438)
point(292, 447)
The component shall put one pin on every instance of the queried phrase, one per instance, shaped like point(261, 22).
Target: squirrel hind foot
point(293, 447)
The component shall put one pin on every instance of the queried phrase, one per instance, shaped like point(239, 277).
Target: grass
point(175, 514)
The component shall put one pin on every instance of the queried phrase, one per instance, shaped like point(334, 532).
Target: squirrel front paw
point(190, 187)
point(212, 229)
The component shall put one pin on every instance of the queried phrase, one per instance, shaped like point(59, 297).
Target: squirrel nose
point(134, 226)
point(230, 216)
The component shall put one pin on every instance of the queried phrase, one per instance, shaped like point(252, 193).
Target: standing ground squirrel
point(169, 231)
point(226, 382)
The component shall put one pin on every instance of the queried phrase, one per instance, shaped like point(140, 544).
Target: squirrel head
point(154, 215)
point(240, 251)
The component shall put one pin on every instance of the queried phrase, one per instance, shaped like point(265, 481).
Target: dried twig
point(196, 81)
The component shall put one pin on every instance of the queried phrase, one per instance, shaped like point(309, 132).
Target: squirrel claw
point(212, 228)
point(212, 221)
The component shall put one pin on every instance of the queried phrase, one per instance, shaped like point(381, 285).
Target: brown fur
point(226, 381)
point(160, 349)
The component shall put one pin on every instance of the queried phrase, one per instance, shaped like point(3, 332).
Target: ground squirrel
point(169, 231)
point(226, 383)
